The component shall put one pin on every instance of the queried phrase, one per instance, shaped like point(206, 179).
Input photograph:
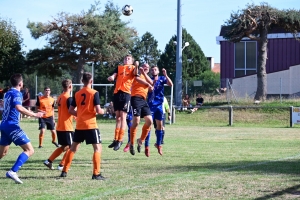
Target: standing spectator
point(155, 102)
point(87, 103)
point(186, 102)
point(199, 103)
point(10, 127)
point(45, 104)
point(26, 99)
point(64, 126)
point(124, 75)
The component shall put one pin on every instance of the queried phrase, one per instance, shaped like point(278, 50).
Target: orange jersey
point(46, 104)
point(65, 119)
point(125, 78)
point(139, 88)
point(86, 113)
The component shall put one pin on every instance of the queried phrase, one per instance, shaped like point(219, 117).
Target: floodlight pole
point(178, 91)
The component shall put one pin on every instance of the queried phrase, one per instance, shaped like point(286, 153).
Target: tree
point(254, 22)
point(145, 49)
point(11, 55)
point(80, 38)
point(194, 62)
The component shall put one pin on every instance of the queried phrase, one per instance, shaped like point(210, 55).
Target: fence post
point(230, 109)
point(291, 116)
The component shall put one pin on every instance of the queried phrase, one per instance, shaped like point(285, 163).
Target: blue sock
point(159, 134)
point(163, 135)
point(129, 124)
point(19, 162)
point(147, 140)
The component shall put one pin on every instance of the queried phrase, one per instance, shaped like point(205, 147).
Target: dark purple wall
point(282, 53)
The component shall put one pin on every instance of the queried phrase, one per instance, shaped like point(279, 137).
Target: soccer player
point(124, 75)
point(64, 126)
point(46, 104)
point(166, 108)
point(10, 128)
point(87, 102)
point(140, 107)
point(155, 102)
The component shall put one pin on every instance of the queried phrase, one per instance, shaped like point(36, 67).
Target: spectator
point(26, 100)
point(110, 110)
point(199, 103)
point(186, 102)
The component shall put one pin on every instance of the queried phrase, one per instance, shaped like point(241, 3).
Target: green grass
point(203, 158)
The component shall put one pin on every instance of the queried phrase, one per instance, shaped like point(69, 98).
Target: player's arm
point(37, 104)
point(72, 107)
point(24, 111)
point(169, 81)
point(98, 108)
point(113, 76)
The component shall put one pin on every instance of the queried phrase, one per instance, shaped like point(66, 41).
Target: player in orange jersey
point(140, 108)
point(124, 75)
point(87, 102)
point(46, 104)
point(64, 125)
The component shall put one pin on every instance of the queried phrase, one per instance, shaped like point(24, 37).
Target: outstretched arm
point(169, 81)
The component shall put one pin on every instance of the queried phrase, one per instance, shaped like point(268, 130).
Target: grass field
point(203, 159)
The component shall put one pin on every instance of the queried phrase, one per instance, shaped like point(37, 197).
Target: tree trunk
point(79, 71)
point(261, 91)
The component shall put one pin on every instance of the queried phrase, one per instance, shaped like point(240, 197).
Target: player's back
point(156, 96)
point(65, 119)
point(10, 114)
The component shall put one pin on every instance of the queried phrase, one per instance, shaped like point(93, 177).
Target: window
point(245, 58)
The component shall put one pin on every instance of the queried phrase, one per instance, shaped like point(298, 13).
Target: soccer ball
point(127, 10)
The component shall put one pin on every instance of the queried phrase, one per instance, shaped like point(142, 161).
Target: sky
point(202, 19)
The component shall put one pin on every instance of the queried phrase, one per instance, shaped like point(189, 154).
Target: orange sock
point(145, 131)
point(132, 135)
point(55, 154)
point(41, 138)
point(68, 161)
point(53, 137)
point(63, 160)
point(117, 130)
point(96, 162)
point(121, 135)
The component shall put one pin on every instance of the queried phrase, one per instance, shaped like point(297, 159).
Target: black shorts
point(65, 138)
point(140, 107)
point(121, 101)
point(43, 122)
point(90, 136)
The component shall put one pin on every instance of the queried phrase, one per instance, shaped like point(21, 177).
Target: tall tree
point(254, 22)
point(79, 38)
point(194, 62)
point(145, 49)
point(11, 55)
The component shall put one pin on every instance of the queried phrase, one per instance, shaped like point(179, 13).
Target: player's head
point(66, 84)
point(146, 67)
point(154, 71)
point(87, 78)
point(16, 80)
point(128, 59)
point(47, 91)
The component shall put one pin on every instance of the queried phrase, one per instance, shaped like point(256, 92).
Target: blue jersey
point(156, 96)
point(10, 114)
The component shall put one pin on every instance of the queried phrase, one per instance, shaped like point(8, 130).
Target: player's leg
point(66, 141)
point(163, 128)
point(42, 127)
point(129, 124)
point(3, 150)
point(133, 130)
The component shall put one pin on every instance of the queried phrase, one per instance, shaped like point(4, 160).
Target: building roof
point(216, 68)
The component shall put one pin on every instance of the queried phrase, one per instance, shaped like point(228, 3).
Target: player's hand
point(111, 78)
point(39, 114)
point(169, 117)
point(136, 63)
point(164, 71)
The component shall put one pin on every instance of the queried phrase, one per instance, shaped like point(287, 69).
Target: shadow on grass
point(294, 190)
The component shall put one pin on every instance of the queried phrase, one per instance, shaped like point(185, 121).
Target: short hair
point(16, 79)
point(129, 55)
point(45, 88)
point(66, 83)
point(86, 77)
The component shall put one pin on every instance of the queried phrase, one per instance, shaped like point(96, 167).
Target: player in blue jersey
point(155, 102)
point(10, 128)
point(129, 123)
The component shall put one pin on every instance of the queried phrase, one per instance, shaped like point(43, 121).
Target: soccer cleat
point(40, 147)
point(14, 176)
point(60, 167)
point(139, 142)
point(48, 164)
point(63, 174)
point(132, 150)
point(113, 144)
point(147, 151)
point(159, 149)
point(126, 148)
point(57, 145)
point(118, 145)
point(98, 177)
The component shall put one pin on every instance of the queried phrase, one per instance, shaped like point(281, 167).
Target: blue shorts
point(14, 134)
point(157, 112)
